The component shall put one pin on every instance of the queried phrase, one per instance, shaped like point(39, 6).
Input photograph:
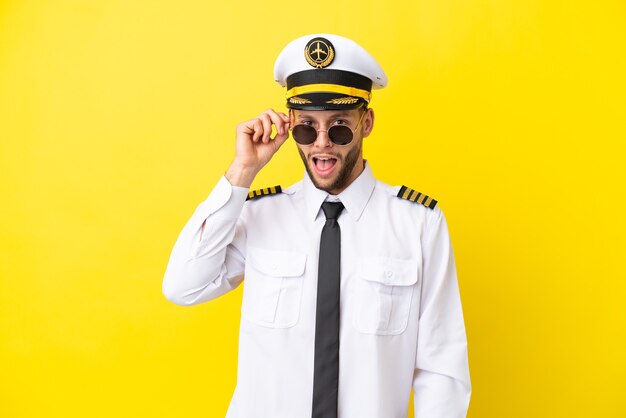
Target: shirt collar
point(354, 197)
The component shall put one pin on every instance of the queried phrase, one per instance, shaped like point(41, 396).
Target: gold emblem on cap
point(343, 100)
point(319, 52)
point(299, 100)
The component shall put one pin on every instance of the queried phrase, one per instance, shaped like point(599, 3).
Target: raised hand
point(255, 147)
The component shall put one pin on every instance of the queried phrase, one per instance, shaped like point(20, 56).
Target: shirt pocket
point(384, 292)
point(272, 289)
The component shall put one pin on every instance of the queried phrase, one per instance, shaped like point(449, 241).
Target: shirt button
point(389, 273)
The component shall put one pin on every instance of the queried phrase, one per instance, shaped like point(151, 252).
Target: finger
point(286, 122)
point(277, 121)
point(258, 130)
point(246, 126)
point(267, 126)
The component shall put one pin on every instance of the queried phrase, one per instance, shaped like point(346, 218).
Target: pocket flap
point(277, 263)
point(389, 271)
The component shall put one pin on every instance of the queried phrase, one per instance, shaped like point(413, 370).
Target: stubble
point(352, 158)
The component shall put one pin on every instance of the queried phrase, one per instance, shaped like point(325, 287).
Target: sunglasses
point(338, 134)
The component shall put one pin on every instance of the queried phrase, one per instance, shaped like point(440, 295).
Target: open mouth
point(324, 165)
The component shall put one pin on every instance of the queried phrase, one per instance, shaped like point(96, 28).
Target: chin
point(328, 185)
point(319, 182)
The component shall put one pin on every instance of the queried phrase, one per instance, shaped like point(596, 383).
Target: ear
point(368, 122)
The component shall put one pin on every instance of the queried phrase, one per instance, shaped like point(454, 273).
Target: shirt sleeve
point(441, 381)
point(205, 265)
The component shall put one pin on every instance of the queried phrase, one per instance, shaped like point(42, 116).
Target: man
point(350, 296)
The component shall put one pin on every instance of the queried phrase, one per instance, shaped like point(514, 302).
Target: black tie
point(326, 369)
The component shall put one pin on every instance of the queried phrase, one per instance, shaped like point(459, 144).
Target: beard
point(343, 176)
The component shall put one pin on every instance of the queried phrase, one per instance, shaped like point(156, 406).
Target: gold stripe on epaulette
point(267, 191)
point(415, 196)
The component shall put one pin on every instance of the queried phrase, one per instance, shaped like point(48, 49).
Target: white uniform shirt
point(401, 318)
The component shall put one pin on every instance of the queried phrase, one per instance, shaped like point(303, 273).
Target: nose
point(323, 140)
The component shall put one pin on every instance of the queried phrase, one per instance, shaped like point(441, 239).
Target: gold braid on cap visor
point(329, 88)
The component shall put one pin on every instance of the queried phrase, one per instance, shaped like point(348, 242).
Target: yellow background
point(117, 117)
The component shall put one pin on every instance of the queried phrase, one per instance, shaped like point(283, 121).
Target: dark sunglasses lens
point(340, 135)
point(304, 134)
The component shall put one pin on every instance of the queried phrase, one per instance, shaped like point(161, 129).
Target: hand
point(255, 147)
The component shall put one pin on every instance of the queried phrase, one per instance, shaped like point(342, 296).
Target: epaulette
point(255, 194)
point(413, 196)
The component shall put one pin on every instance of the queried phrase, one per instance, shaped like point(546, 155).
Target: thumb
point(279, 140)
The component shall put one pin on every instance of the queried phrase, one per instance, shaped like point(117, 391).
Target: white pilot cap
point(325, 71)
